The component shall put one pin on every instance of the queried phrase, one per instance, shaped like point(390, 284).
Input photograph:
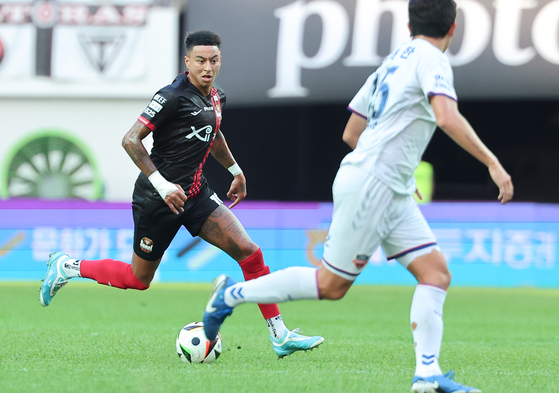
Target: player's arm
point(353, 129)
point(220, 151)
point(451, 121)
point(172, 194)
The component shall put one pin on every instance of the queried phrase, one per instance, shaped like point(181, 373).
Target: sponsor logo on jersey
point(217, 107)
point(146, 245)
point(159, 98)
point(149, 112)
point(361, 260)
point(443, 82)
point(206, 108)
point(205, 131)
point(155, 105)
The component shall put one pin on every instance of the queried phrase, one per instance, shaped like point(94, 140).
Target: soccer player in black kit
point(171, 190)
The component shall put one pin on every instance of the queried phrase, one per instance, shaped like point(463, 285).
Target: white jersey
point(400, 120)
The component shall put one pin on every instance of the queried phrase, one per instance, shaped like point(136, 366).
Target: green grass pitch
point(99, 339)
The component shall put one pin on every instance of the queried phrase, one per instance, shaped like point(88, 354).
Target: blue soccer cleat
point(55, 277)
point(216, 310)
point(293, 342)
point(440, 384)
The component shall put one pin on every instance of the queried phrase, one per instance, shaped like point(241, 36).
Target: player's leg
point(346, 252)
point(223, 230)
point(155, 226)
point(111, 272)
point(413, 244)
point(137, 275)
point(360, 203)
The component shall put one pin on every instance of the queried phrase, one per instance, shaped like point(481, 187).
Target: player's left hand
point(238, 190)
point(503, 180)
point(418, 194)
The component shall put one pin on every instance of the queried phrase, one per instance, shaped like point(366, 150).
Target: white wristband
point(235, 169)
point(162, 186)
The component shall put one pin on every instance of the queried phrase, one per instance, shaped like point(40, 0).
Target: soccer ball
point(194, 347)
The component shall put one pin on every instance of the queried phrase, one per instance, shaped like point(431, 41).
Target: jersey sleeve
point(360, 102)
point(436, 77)
point(161, 107)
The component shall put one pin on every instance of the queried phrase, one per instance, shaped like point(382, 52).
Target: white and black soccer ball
point(194, 347)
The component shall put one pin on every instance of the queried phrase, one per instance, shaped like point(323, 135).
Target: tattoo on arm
point(132, 143)
point(220, 151)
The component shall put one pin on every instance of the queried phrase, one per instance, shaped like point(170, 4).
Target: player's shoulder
point(429, 52)
point(173, 90)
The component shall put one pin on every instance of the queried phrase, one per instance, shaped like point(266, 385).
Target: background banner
point(17, 43)
point(485, 244)
point(323, 50)
point(99, 53)
point(85, 48)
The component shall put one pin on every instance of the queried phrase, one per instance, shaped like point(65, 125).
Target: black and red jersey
point(184, 123)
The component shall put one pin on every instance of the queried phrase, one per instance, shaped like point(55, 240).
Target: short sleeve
point(161, 107)
point(436, 77)
point(360, 102)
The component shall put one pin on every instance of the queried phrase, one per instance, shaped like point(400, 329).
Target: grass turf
point(98, 339)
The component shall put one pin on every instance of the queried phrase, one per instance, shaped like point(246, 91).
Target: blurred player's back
point(400, 120)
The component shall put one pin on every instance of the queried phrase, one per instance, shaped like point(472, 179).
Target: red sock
point(111, 272)
point(254, 267)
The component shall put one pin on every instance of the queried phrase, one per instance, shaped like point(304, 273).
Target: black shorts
point(155, 224)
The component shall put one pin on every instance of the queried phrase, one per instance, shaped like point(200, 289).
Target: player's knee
point(339, 293)
point(439, 277)
point(446, 278)
point(330, 285)
point(142, 282)
point(333, 293)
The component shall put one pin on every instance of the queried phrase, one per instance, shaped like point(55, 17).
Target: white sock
point(293, 283)
point(276, 327)
point(71, 268)
point(426, 318)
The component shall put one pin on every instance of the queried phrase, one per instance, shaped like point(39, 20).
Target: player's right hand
point(176, 200)
point(503, 180)
point(238, 190)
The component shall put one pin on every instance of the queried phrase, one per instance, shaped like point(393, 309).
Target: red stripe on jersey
point(146, 122)
point(216, 102)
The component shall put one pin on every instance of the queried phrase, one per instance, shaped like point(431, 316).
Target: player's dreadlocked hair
point(201, 37)
point(431, 18)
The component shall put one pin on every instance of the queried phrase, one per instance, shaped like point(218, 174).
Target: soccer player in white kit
point(394, 116)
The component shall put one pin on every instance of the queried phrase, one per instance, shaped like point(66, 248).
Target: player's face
point(203, 63)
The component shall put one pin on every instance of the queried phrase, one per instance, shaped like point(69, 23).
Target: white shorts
point(367, 214)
